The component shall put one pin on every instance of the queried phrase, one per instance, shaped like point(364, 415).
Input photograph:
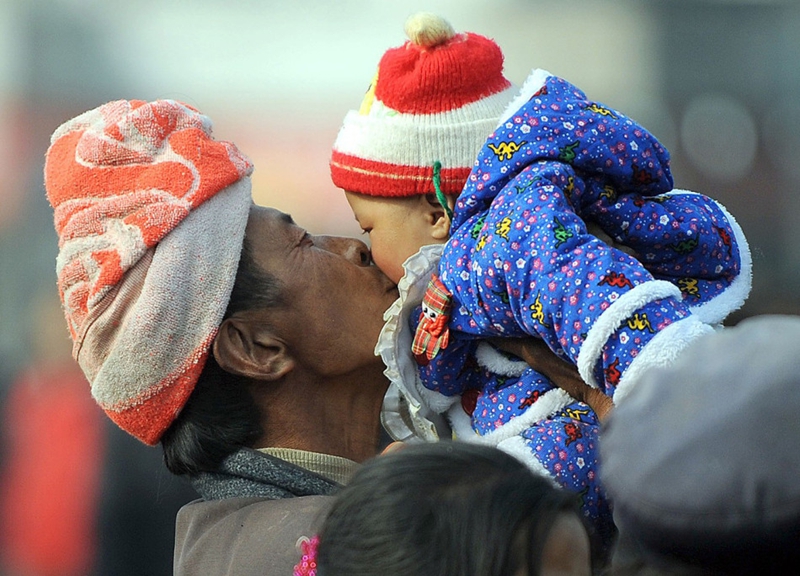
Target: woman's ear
point(250, 349)
point(438, 217)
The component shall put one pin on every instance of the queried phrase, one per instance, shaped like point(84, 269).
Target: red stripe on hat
point(375, 178)
point(417, 80)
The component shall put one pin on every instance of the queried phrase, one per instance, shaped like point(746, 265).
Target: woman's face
point(566, 550)
point(334, 297)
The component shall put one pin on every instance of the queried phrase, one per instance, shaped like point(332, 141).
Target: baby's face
point(397, 228)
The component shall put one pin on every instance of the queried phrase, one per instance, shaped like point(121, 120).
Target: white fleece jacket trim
point(661, 351)
point(437, 401)
point(733, 297)
point(533, 83)
point(494, 361)
point(610, 320)
point(461, 424)
point(547, 404)
point(517, 448)
point(421, 416)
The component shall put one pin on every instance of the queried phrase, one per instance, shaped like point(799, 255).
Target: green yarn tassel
point(437, 180)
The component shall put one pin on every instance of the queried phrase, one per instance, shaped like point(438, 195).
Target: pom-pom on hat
point(150, 212)
point(435, 99)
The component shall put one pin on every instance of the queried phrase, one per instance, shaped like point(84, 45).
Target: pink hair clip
point(308, 563)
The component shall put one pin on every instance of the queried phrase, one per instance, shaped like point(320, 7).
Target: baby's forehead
point(373, 206)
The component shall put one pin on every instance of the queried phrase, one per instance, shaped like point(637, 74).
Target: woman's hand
point(563, 374)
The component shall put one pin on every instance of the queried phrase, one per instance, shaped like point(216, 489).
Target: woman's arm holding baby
point(562, 373)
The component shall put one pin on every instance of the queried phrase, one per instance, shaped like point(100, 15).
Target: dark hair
point(220, 416)
point(441, 508)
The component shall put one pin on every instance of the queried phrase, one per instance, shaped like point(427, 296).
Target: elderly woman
point(218, 328)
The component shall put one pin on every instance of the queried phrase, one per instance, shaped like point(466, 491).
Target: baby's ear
point(439, 219)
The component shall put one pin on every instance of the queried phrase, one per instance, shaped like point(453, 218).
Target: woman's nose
point(351, 248)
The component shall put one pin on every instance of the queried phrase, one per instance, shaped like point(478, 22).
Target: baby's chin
point(394, 272)
point(396, 277)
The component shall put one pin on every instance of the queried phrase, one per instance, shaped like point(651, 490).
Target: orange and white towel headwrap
point(150, 212)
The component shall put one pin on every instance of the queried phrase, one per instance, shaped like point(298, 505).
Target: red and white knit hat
point(150, 211)
point(434, 99)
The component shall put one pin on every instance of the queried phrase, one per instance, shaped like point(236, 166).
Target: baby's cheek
point(388, 261)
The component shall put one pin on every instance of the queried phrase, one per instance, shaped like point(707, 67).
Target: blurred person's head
point(702, 463)
point(452, 508)
point(201, 320)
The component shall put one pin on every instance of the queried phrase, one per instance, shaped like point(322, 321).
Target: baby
point(513, 256)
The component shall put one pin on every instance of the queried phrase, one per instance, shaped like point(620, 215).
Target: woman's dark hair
point(441, 508)
point(220, 416)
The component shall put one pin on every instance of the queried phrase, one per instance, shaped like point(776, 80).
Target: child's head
point(411, 145)
point(452, 508)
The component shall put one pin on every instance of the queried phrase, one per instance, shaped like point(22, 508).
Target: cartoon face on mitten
point(432, 332)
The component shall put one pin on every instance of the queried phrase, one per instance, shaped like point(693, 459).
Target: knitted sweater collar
point(249, 473)
point(334, 468)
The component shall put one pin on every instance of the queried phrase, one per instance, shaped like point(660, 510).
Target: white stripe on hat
point(453, 138)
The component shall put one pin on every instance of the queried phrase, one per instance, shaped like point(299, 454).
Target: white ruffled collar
point(407, 408)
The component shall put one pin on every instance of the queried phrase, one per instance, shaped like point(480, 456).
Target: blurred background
point(718, 81)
